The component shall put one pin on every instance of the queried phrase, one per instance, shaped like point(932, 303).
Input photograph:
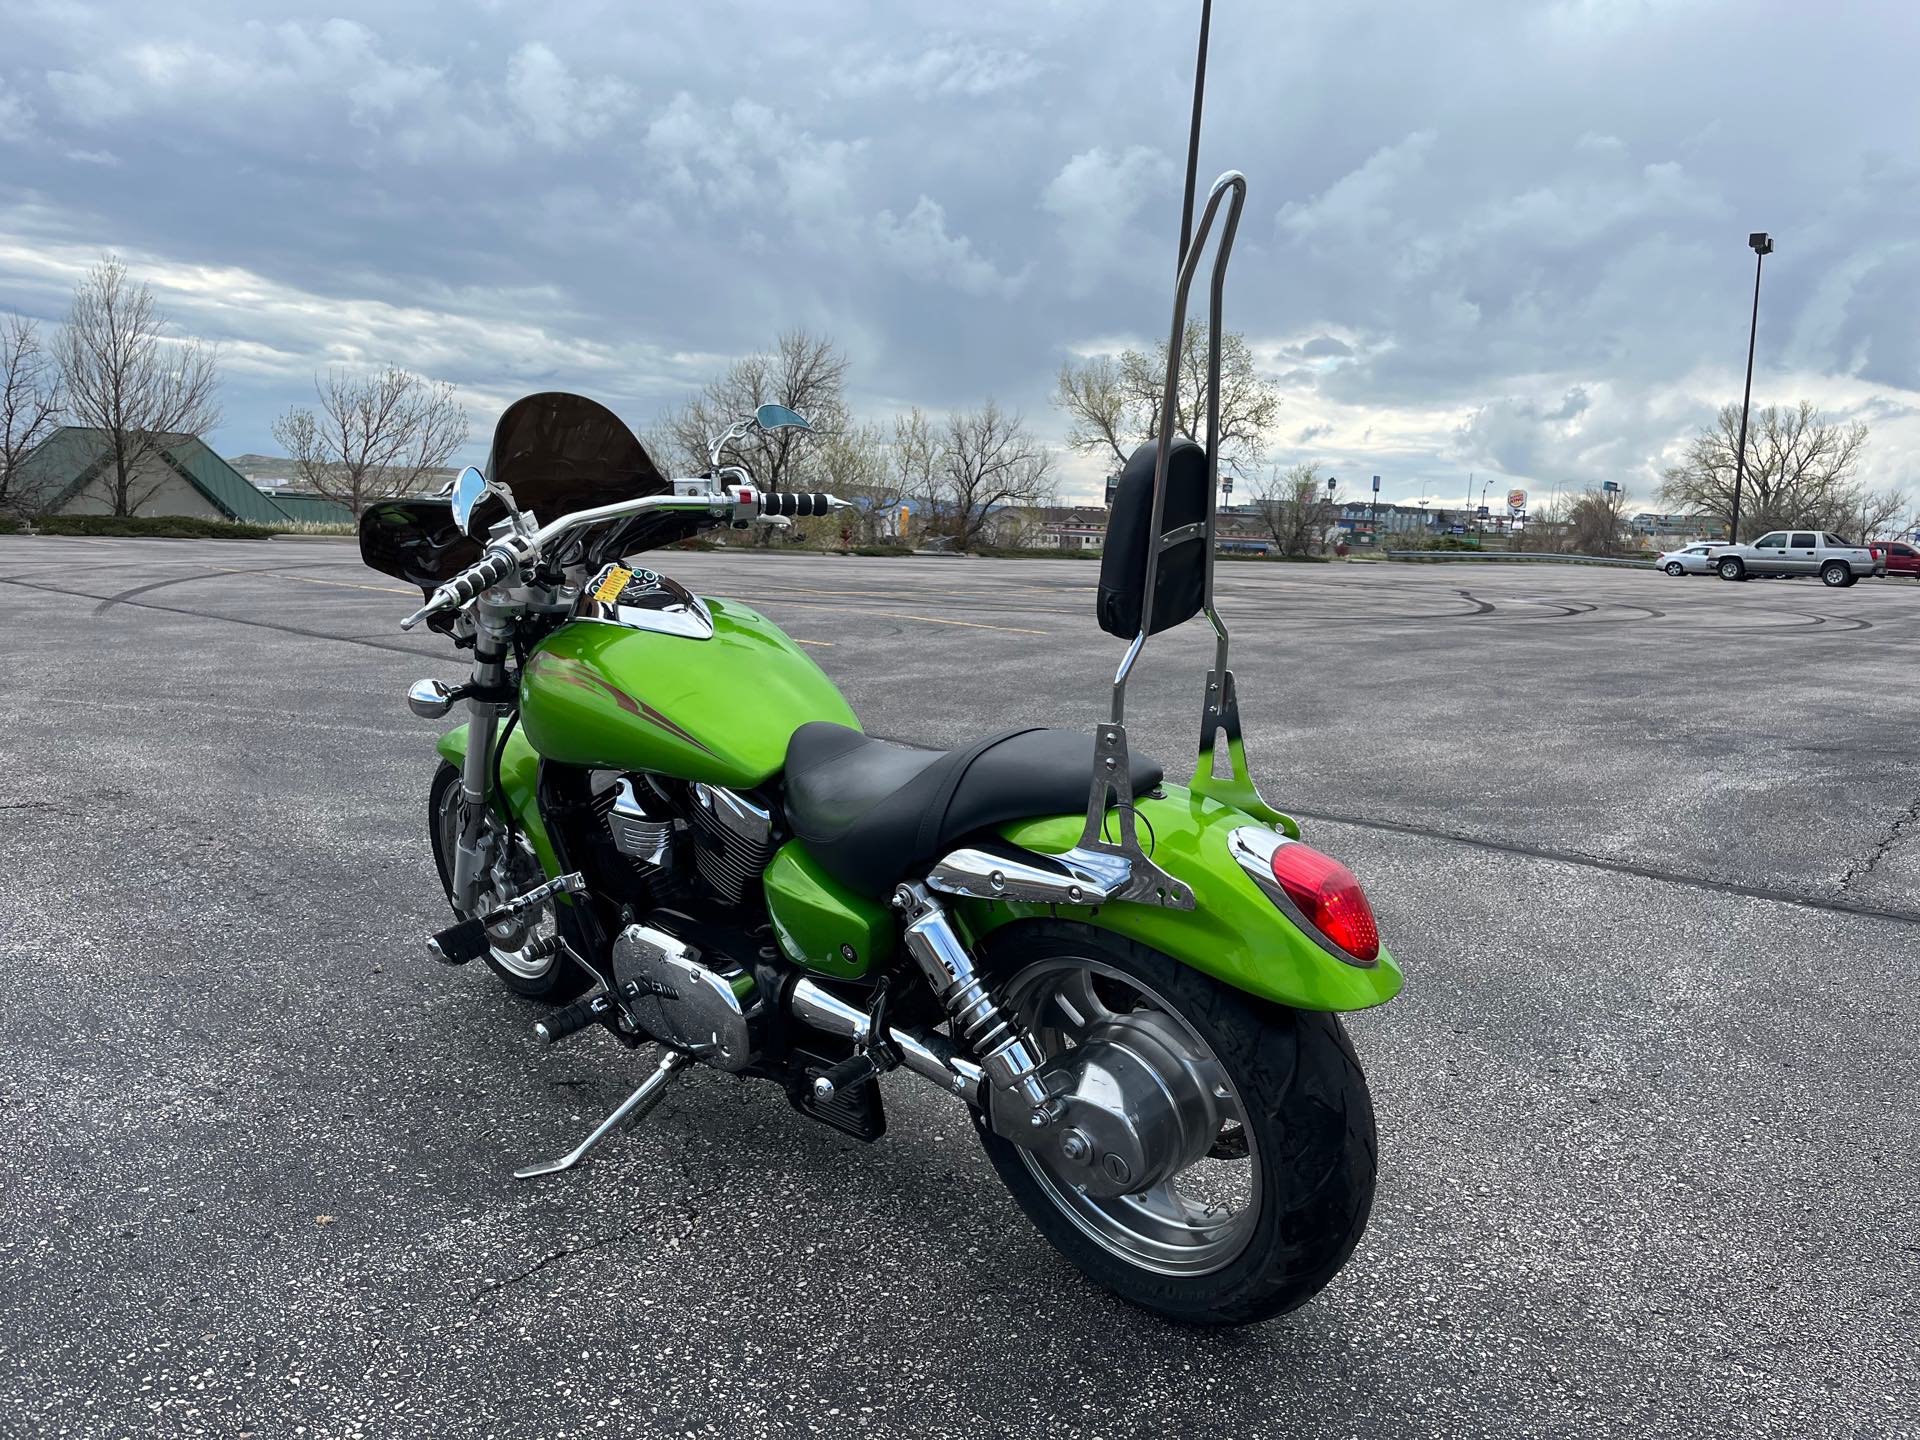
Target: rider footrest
point(577, 1016)
point(457, 944)
point(854, 1111)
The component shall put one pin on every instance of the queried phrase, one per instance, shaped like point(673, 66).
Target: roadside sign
point(1610, 487)
point(1484, 512)
point(1456, 529)
point(1516, 499)
point(1376, 484)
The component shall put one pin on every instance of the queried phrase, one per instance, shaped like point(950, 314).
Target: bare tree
point(803, 372)
point(373, 437)
point(32, 401)
point(1872, 515)
point(125, 378)
point(1593, 523)
point(1294, 508)
point(1799, 470)
point(1114, 403)
point(855, 464)
point(918, 458)
point(991, 461)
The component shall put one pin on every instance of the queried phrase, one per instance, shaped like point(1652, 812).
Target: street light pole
point(1762, 245)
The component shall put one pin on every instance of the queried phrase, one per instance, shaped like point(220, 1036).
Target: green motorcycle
point(662, 819)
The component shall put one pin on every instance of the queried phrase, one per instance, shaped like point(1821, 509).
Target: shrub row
point(158, 527)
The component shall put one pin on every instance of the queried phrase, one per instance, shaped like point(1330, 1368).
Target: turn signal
point(1329, 896)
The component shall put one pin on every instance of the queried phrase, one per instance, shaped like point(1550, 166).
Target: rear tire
point(1836, 574)
point(1307, 1123)
point(556, 981)
point(1676, 569)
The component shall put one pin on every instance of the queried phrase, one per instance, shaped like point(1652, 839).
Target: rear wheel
point(1279, 1146)
point(1675, 568)
point(1836, 574)
point(524, 952)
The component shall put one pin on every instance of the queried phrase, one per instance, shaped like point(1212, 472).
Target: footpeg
point(457, 944)
point(843, 1077)
point(630, 1111)
point(573, 1018)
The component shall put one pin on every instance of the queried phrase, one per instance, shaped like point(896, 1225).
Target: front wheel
point(1731, 570)
point(1277, 1143)
point(524, 952)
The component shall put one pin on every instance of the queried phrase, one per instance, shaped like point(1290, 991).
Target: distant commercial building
point(1676, 527)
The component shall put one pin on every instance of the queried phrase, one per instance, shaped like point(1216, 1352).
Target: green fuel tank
point(706, 690)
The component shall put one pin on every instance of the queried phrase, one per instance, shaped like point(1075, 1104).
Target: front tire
point(514, 956)
point(1731, 570)
point(1300, 1131)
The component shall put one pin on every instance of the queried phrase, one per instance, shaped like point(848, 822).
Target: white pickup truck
point(1795, 552)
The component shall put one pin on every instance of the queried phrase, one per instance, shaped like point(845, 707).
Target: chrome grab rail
point(1234, 183)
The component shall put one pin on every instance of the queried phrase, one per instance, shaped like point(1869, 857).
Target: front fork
point(493, 633)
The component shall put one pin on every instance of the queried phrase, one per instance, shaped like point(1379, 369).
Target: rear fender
point(1234, 932)
point(519, 791)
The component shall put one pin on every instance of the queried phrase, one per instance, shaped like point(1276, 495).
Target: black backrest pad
point(1181, 585)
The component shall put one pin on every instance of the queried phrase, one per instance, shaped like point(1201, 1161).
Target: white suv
point(1795, 552)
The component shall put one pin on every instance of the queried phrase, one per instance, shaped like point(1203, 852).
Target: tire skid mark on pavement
point(391, 647)
point(219, 571)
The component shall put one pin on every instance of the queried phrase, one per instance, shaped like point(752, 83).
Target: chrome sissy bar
point(1112, 781)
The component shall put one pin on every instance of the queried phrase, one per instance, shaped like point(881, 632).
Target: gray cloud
point(1456, 221)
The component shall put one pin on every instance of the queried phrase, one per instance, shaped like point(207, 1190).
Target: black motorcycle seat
point(871, 811)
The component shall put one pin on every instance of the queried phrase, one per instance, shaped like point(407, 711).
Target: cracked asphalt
point(1647, 849)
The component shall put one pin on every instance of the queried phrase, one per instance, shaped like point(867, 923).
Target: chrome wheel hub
point(1138, 1155)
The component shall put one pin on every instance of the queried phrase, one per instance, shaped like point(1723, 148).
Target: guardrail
point(1517, 557)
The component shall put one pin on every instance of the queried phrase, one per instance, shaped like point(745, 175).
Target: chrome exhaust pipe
point(926, 1053)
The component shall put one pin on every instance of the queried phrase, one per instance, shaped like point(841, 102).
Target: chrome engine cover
point(681, 1002)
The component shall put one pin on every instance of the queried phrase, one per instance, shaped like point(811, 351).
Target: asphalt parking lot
point(1648, 850)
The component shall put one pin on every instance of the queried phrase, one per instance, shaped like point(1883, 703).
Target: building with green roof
point(69, 473)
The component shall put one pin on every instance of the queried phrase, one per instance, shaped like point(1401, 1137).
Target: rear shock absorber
point(1004, 1050)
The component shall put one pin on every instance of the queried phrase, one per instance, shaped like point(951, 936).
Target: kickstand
point(629, 1112)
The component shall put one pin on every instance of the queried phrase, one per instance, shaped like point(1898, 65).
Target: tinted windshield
point(559, 453)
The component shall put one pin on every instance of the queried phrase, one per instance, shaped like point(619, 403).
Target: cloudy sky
point(1493, 238)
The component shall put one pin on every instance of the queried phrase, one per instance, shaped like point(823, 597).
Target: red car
point(1896, 557)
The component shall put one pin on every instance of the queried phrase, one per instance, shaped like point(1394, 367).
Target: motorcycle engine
point(732, 839)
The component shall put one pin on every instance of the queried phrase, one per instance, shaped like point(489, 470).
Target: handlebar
point(510, 553)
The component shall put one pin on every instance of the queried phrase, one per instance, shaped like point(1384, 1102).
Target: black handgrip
point(483, 574)
point(577, 1016)
point(789, 502)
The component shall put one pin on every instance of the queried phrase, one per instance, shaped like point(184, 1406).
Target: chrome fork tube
point(483, 718)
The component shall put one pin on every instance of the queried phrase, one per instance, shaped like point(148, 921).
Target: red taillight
point(1330, 897)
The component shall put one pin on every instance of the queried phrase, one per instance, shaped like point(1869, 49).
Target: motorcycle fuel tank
point(715, 707)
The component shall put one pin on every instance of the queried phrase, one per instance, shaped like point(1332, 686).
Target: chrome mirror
point(469, 489)
point(779, 417)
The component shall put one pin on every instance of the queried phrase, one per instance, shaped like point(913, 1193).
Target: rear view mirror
point(779, 417)
point(1180, 588)
point(468, 490)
